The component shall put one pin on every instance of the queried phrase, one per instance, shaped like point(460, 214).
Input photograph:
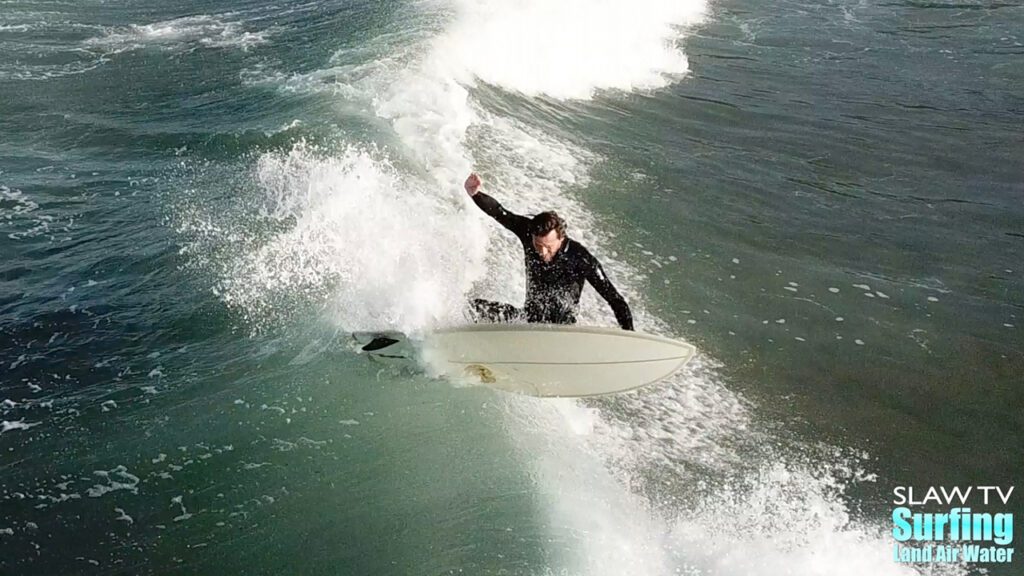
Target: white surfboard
point(539, 359)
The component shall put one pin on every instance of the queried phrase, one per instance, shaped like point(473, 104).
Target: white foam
point(254, 465)
point(123, 517)
point(7, 426)
point(26, 217)
point(206, 30)
point(117, 479)
point(780, 520)
point(384, 250)
point(185, 514)
point(570, 48)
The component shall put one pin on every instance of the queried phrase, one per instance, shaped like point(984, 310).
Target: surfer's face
point(547, 245)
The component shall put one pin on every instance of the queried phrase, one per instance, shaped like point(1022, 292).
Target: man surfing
point(556, 268)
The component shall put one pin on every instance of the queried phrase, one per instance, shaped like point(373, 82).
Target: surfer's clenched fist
point(473, 184)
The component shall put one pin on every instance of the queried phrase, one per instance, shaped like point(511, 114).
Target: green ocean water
point(200, 201)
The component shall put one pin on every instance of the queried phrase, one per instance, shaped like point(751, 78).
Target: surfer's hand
point(473, 184)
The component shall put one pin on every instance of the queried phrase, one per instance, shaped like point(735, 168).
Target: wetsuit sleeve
point(599, 280)
point(519, 225)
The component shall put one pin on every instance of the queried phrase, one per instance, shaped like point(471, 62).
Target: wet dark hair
point(545, 222)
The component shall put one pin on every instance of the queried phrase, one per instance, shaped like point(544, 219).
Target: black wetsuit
point(552, 288)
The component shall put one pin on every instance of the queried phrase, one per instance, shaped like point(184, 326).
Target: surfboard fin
point(378, 343)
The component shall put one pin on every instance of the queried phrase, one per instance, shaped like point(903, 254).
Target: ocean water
point(199, 201)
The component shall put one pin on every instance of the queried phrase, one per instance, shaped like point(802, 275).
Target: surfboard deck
point(536, 359)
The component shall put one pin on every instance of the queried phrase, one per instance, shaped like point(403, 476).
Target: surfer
point(556, 267)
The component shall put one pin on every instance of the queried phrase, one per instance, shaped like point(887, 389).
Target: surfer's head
point(548, 231)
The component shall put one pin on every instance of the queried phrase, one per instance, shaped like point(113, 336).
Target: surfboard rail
point(547, 360)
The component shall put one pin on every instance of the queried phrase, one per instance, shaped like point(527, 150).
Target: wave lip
point(573, 48)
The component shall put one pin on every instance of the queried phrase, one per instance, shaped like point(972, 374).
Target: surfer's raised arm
point(517, 224)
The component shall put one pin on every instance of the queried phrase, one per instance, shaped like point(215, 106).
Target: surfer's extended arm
point(517, 224)
point(599, 280)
